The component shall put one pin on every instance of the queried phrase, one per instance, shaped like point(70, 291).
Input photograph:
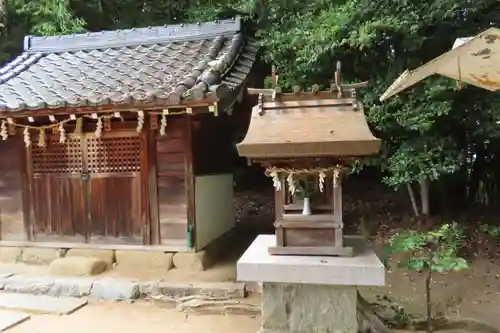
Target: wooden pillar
point(279, 206)
point(337, 211)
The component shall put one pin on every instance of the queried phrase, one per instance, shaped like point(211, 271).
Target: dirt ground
point(135, 318)
point(471, 294)
point(474, 293)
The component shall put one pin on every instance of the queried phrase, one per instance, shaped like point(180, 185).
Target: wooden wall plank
point(153, 188)
point(12, 212)
point(145, 203)
point(191, 203)
point(171, 180)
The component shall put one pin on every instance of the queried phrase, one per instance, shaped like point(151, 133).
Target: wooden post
point(337, 211)
point(279, 202)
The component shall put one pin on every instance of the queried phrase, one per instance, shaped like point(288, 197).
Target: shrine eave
point(327, 128)
point(309, 149)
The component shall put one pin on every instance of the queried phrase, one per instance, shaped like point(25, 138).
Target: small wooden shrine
point(305, 140)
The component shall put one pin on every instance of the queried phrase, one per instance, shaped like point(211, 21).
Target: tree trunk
point(368, 320)
point(413, 201)
point(424, 196)
point(428, 280)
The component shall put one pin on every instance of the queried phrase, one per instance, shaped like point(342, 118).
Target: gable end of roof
point(132, 37)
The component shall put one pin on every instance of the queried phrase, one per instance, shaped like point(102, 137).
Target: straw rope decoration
point(59, 126)
point(293, 174)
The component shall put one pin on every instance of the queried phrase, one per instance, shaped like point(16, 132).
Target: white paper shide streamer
point(140, 121)
point(336, 174)
point(41, 138)
point(276, 180)
point(3, 130)
point(163, 125)
point(62, 133)
point(98, 128)
point(26, 137)
point(321, 181)
point(291, 183)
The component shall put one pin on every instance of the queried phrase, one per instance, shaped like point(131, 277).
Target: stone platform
point(364, 269)
point(309, 294)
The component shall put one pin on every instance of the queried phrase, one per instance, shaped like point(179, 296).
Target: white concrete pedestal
point(303, 294)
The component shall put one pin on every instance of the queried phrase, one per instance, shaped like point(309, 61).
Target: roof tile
point(146, 65)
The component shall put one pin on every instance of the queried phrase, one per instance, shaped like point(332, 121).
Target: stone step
point(108, 288)
point(40, 304)
point(9, 319)
point(233, 290)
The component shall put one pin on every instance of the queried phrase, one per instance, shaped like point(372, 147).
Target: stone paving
point(24, 295)
point(114, 289)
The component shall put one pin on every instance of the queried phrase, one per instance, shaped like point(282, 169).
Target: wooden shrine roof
point(160, 65)
point(306, 128)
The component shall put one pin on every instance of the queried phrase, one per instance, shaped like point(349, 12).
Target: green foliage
point(492, 230)
point(305, 187)
point(430, 251)
point(433, 131)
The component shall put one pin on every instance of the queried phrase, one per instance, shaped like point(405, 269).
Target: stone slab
point(211, 289)
point(77, 266)
point(72, 287)
point(114, 289)
point(192, 261)
point(10, 254)
point(40, 255)
point(364, 269)
point(9, 319)
point(149, 288)
point(36, 285)
point(144, 259)
point(108, 256)
point(304, 308)
point(40, 304)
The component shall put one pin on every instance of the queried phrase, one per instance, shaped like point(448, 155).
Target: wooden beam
point(168, 246)
point(26, 188)
point(144, 177)
point(190, 179)
point(153, 188)
point(197, 106)
point(299, 104)
point(337, 211)
point(272, 92)
point(279, 203)
point(312, 251)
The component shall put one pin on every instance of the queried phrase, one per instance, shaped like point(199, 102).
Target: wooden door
point(113, 167)
point(88, 189)
point(58, 191)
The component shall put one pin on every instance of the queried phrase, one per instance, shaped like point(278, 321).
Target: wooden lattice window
point(113, 154)
point(56, 157)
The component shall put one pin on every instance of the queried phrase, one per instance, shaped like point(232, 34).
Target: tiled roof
point(161, 65)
